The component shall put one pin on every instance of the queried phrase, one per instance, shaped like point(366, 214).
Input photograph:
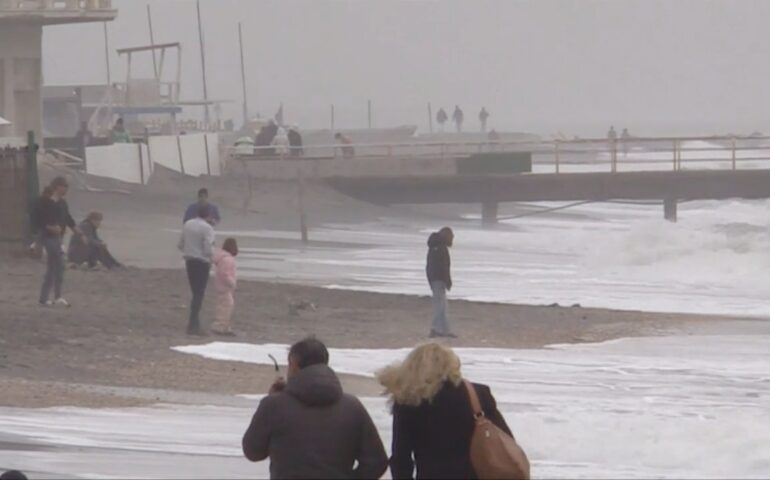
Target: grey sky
point(577, 66)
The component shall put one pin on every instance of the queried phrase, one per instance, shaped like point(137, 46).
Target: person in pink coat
point(225, 280)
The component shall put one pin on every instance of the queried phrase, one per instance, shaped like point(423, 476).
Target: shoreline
point(96, 352)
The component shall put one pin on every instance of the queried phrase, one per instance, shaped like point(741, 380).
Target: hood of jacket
point(315, 386)
point(435, 240)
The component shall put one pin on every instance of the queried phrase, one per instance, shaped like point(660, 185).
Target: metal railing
point(558, 156)
point(54, 5)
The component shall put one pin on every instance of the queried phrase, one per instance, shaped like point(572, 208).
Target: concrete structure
point(21, 36)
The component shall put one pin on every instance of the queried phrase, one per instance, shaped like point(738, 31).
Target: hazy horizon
point(653, 66)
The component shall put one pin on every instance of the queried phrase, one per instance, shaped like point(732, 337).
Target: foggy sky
point(538, 65)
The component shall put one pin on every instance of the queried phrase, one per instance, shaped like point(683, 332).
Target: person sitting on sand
point(440, 279)
point(433, 420)
point(225, 281)
point(310, 428)
point(203, 199)
point(89, 247)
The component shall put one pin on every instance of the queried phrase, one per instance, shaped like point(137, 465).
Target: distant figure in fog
point(441, 118)
point(119, 133)
point(89, 248)
point(438, 270)
point(346, 145)
point(281, 142)
point(225, 281)
point(432, 416)
point(83, 138)
point(310, 428)
point(295, 142)
point(483, 116)
point(265, 138)
point(458, 117)
point(203, 199)
point(625, 138)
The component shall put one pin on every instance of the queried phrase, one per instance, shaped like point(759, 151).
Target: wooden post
point(179, 149)
point(430, 117)
point(675, 156)
point(670, 209)
point(141, 163)
point(206, 146)
point(489, 213)
point(556, 154)
point(734, 159)
point(301, 202)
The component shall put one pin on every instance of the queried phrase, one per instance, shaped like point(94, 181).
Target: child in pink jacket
point(225, 281)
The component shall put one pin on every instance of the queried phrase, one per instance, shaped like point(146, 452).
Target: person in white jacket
point(225, 281)
point(281, 143)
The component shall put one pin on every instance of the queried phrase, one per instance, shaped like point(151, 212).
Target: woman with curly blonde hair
point(432, 415)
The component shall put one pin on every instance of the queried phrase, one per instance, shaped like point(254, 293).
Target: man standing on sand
point(203, 200)
point(438, 270)
point(483, 116)
point(458, 117)
point(310, 428)
point(197, 246)
point(54, 218)
point(441, 118)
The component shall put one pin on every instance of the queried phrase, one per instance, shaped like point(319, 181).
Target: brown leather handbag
point(494, 453)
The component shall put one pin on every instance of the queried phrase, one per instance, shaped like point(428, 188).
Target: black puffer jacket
point(438, 267)
point(314, 430)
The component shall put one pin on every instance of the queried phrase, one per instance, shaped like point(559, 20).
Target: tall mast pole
point(243, 77)
point(152, 42)
point(206, 118)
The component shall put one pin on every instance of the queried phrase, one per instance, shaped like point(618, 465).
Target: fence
point(15, 184)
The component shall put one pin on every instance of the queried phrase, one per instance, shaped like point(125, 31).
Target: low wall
point(127, 162)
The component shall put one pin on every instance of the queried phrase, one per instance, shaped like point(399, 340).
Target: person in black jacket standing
point(433, 421)
point(440, 279)
point(54, 218)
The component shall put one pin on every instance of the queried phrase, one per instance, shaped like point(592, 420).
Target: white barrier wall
point(128, 163)
point(188, 153)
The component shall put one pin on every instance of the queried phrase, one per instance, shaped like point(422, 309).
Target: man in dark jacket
point(53, 216)
point(311, 429)
point(440, 279)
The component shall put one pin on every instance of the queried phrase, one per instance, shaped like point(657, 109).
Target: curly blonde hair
point(421, 375)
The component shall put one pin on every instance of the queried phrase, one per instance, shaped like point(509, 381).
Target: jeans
point(440, 323)
point(54, 272)
point(99, 253)
point(198, 275)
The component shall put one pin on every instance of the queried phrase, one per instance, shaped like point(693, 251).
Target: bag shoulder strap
point(473, 396)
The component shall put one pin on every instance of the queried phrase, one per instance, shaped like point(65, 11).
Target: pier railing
point(557, 156)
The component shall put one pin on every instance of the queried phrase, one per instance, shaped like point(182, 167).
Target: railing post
point(556, 155)
point(614, 155)
point(675, 156)
point(733, 151)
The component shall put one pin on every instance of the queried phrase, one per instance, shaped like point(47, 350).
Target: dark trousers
point(198, 275)
point(99, 253)
point(54, 272)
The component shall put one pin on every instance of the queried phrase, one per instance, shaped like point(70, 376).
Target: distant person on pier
point(281, 143)
point(295, 142)
point(612, 139)
point(625, 138)
point(203, 200)
point(458, 117)
point(119, 133)
point(83, 138)
point(346, 145)
point(441, 118)
point(265, 138)
point(483, 116)
point(438, 270)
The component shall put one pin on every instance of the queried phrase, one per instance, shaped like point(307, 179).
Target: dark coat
point(436, 437)
point(51, 213)
point(438, 268)
point(314, 430)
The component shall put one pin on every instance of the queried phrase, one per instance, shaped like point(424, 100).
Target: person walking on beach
point(203, 199)
point(225, 280)
point(197, 246)
point(438, 270)
point(433, 419)
point(441, 118)
point(483, 116)
point(458, 117)
point(311, 429)
point(54, 218)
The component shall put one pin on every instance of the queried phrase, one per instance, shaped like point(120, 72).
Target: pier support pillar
point(670, 209)
point(489, 213)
